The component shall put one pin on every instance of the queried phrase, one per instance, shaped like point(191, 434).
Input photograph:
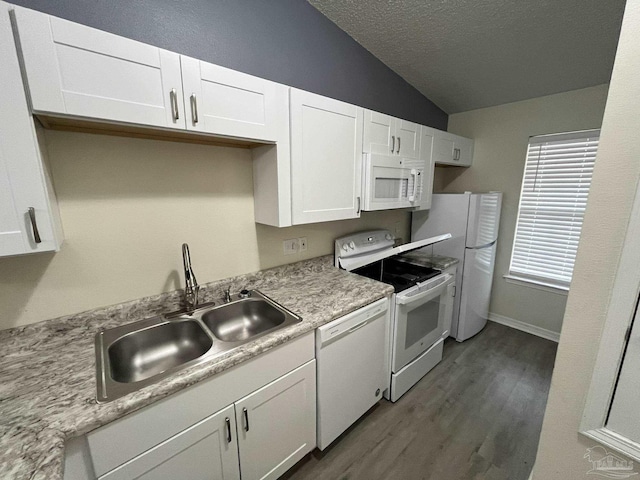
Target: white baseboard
point(525, 327)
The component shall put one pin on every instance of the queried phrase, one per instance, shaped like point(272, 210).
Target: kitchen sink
point(153, 350)
point(243, 320)
point(132, 356)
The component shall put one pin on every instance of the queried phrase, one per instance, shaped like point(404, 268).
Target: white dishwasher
point(352, 359)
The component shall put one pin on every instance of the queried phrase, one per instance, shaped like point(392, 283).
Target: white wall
point(615, 184)
point(501, 137)
point(128, 204)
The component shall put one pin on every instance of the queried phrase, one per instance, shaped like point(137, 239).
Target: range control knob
point(352, 245)
point(345, 247)
point(388, 236)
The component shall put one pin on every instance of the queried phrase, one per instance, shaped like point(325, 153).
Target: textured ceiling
point(468, 54)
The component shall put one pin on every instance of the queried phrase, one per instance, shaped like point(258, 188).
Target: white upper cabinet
point(450, 149)
point(225, 102)
point(408, 138)
point(427, 135)
point(74, 70)
point(379, 129)
point(326, 158)
point(387, 135)
point(29, 217)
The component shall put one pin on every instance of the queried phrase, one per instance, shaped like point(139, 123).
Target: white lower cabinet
point(203, 432)
point(207, 450)
point(277, 424)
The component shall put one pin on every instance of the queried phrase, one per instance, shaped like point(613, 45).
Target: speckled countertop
point(47, 370)
point(423, 256)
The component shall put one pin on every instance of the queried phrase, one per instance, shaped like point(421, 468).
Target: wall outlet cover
point(291, 246)
point(303, 244)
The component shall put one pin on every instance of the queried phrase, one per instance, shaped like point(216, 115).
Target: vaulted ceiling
point(468, 54)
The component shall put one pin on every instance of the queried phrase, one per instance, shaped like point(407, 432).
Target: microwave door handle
point(414, 174)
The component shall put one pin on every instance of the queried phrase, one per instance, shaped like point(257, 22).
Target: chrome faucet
point(191, 284)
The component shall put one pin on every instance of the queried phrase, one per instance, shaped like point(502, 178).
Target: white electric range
point(421, 307)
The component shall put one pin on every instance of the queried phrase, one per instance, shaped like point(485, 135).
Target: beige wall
point(127, 205)
point(501, 136)
point(615, 185)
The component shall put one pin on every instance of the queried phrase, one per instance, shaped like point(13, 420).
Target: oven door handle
point(432, 292)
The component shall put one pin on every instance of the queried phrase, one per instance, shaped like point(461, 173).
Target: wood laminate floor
point(476, 415)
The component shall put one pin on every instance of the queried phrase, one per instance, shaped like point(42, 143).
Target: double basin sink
point(141, 353)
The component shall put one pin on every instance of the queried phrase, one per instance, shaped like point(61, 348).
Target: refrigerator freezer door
point(484, 219)
point(477, 277)
point(448, 214)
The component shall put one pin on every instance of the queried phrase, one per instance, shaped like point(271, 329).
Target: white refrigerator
point(473, 220)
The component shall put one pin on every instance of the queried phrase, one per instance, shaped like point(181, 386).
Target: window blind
point(555, 187)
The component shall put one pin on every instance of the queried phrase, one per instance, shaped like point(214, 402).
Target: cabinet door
point(465, 150)
point(75, 70)
point(443, 148)
point(408, 139)
point(207, 450)
point(230, 103)
point(326, 158)
point(277, 424)
point(379, 133)
point(23, 176)
point(426, 155)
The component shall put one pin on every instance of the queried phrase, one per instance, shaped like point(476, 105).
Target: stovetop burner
point(398, 273)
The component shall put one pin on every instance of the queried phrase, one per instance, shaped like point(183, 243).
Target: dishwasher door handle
point(358, 326)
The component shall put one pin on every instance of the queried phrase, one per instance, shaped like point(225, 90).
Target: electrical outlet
point(303, 244)
point(291, 246)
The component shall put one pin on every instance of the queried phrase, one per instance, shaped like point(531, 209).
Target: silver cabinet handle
point(358, 212)
point(398, 145)
point(393, 143)
point(34, 225)
point(246, 419)
point(228, 422)
point(194, 108)
point(173, 96)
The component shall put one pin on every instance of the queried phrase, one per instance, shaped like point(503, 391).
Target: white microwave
point(391, 182)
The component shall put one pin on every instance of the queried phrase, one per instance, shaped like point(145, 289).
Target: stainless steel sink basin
point(153, 350)
point(132, 356)
point(243, 320)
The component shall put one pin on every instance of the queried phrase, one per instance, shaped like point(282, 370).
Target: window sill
point(527, 282)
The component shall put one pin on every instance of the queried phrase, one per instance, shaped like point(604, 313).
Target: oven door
point(388, 183)
point(422, 316)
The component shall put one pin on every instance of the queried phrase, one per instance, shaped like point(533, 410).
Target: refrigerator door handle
point(483, 246)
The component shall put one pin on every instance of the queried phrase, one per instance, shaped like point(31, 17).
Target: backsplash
point(128, 204)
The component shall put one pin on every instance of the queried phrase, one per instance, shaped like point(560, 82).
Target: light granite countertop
point(47, 370)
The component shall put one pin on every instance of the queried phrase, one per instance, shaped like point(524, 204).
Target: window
point(555, 186)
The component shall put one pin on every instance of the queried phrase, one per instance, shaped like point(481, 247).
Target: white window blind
point(555, 187)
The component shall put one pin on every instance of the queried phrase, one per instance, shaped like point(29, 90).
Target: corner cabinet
point(29, 217)
point(326, 158)
point(450, 149)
